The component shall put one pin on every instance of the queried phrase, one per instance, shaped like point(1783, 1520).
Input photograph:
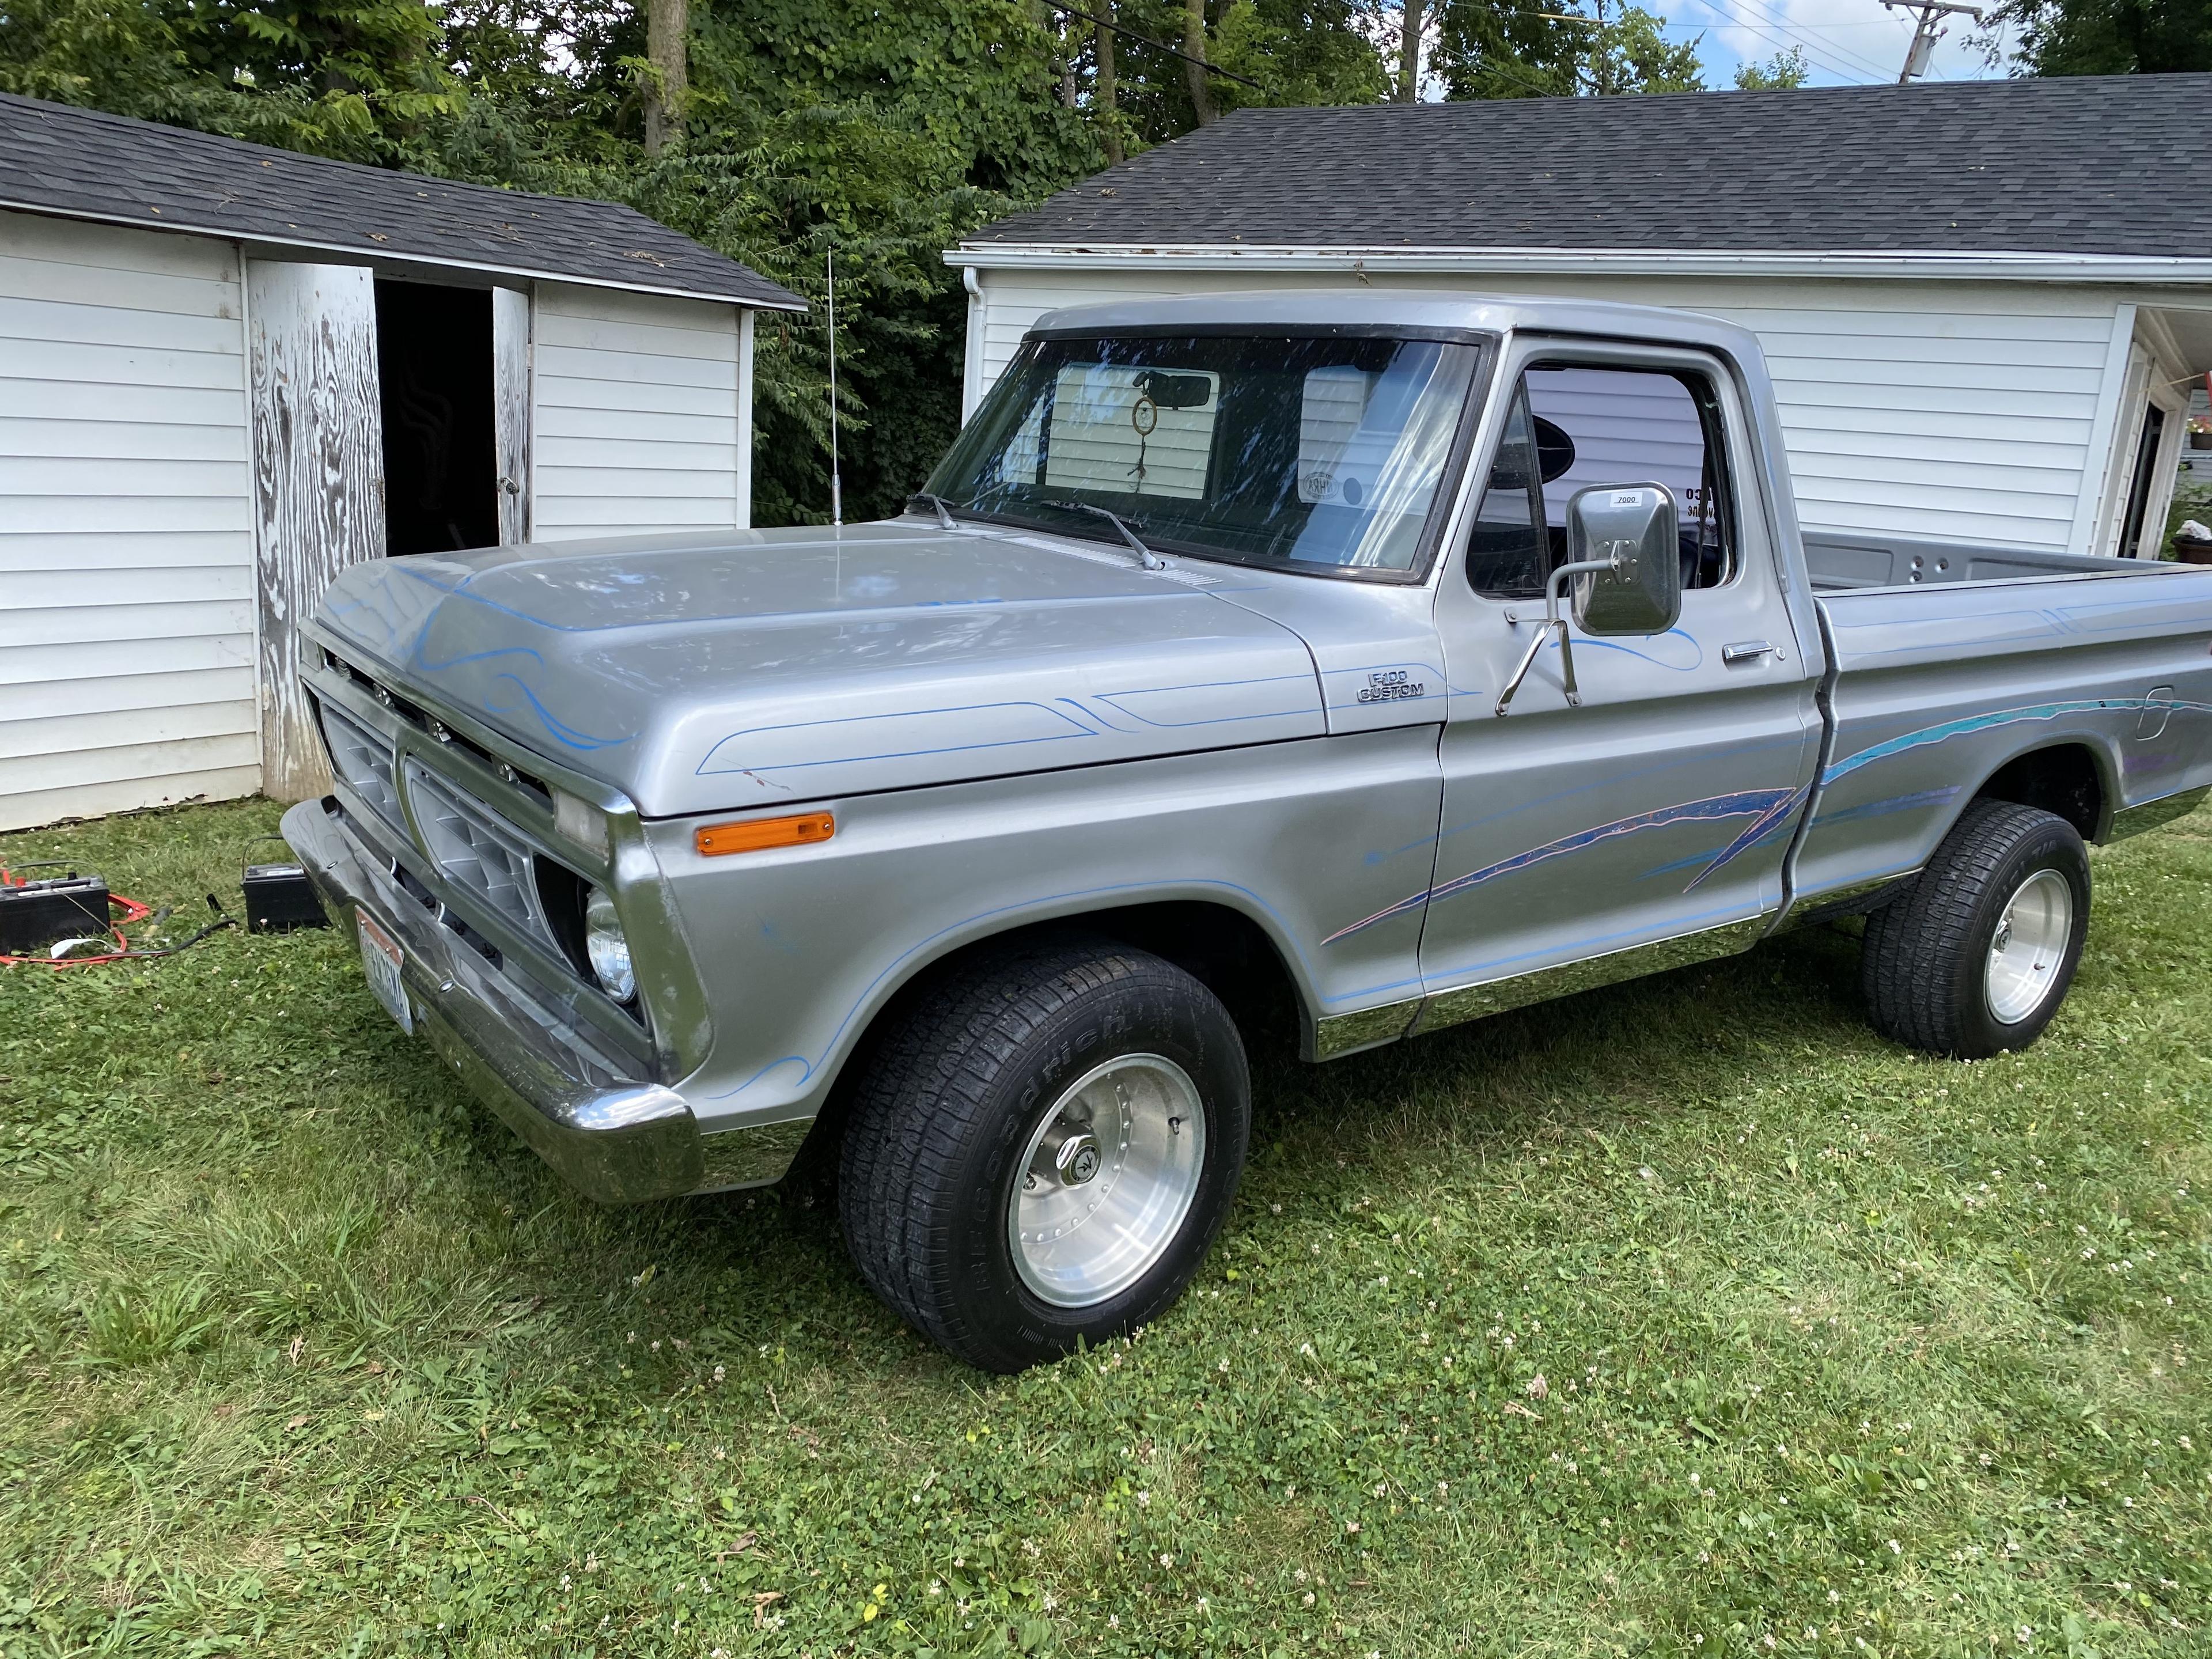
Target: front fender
point(799, 948)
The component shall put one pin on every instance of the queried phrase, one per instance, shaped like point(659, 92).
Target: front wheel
point(1044, 1149)
point(1977, 957)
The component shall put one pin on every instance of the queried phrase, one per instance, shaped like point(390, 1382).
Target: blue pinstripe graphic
point(1761, 804)
point(1973, 723)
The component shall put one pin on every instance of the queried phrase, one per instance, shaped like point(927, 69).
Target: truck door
point(1647, 826)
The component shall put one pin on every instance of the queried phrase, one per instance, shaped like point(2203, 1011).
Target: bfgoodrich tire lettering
point(1928, 970)
point(934, 1154)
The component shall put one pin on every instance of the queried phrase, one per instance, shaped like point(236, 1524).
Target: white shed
point(1982, 305)
point(228, 371)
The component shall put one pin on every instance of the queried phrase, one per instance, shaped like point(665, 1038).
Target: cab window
point(1572, 426)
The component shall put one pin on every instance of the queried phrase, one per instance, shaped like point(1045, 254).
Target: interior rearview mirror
point(1632, 530)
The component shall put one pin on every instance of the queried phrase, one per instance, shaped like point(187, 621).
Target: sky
point(1846, 41)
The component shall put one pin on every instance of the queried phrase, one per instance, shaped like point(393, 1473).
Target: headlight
point(606, 947)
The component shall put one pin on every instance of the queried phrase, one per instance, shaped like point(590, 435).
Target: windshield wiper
point(1150, 560)
point(944, 519)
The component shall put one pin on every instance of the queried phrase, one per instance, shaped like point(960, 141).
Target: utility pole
point(1925, 37)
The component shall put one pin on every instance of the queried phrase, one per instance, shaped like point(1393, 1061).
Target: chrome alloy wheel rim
point(2028, 946)
point(1109, 1173)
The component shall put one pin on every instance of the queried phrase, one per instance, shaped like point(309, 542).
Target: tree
point(1105, 92)
point(1194, 68)
point(2102, 37)
point(1409, 53)
point(1783, 72)
point(668, 72)
point(1500, 49)
point(359, 79)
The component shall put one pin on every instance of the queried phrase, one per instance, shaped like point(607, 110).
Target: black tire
point(954, 1095)
point(1925, 969)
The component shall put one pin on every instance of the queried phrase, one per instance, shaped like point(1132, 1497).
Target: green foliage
point(1783, 72)
point(1489, 49)
point(1669, 1320)
point(2104, 37)
point(356, 79)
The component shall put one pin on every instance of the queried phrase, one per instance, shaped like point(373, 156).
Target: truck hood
point(748, 669)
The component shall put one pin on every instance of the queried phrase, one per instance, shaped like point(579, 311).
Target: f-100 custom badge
point(1390, 684)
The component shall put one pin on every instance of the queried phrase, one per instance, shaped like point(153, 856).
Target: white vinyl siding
point(126, 547)
point(1963, 411)
point(637, 419)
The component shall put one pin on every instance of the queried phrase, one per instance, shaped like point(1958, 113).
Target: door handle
point(1748, 650)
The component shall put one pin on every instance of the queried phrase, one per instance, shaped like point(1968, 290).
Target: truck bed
point(2012, 654)
point(1840, 561)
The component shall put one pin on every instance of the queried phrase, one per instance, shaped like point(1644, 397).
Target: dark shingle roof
point(2080, 166)
point(57, 158)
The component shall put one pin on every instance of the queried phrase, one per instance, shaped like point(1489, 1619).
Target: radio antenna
point(836, 484)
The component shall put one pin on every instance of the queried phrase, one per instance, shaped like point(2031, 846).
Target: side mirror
point(1632, 533)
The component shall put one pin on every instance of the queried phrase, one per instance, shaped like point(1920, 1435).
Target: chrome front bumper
point(616, 1139)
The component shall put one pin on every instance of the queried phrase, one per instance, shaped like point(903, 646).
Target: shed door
point(510, 395)
point(317, 480)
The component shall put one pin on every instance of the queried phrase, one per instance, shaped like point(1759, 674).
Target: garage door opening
point(433, 357)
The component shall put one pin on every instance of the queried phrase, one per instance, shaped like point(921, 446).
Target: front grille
point(477, 853)
point(363, 760)
point(535, 788)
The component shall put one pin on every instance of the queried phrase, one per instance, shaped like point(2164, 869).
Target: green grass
point(1686, 1318)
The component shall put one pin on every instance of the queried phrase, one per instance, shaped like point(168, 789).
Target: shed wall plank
point(122, 365)
point(118, 550)
point(37, 772)
point(62, 735)
point(47, 435)
point(23, 809)
point(62, 590)
point(129, 694)
point(126, 549)
point(49, 664)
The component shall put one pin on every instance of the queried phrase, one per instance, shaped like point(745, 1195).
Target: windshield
point(1303, 454)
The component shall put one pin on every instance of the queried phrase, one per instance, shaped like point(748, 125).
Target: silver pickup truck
point(1399, 658)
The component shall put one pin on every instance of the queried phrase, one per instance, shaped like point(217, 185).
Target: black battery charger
point(35, 914)
point(279, 898)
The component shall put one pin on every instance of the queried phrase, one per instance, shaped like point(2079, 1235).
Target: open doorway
point(2148, 482)
point(2157, 478)
point(433, 358)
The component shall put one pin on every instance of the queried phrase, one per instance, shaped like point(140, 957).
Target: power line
point(1837, 60)
point(1158, 45)
point(1724, 18)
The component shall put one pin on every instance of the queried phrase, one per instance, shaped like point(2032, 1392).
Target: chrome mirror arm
point(1553, 621)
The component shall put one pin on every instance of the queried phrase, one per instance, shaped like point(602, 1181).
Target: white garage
point(1983, 308)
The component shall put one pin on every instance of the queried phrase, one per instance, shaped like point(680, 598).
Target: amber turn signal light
point(754, 834)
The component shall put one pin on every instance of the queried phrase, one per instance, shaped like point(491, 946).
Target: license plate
point(381, 958)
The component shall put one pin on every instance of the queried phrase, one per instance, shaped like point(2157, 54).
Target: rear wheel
point(1044, 1149)
point(1977, 957)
